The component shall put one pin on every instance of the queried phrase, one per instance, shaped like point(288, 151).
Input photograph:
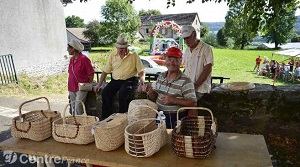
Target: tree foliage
point(204, 30)
point(74, 22)
point(221, 38)
point(119, 18)
point(148, 12)
point(278, 28)
point(93, 32)
point(236, 26)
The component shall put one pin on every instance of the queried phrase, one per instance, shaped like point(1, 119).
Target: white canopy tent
point(289, 52)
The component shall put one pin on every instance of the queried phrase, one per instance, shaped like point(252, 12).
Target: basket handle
point(152, 110)
point(64, 113)
point(20, 107)
point(213, 125)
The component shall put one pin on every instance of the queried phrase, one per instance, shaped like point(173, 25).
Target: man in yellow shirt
point(125, 66)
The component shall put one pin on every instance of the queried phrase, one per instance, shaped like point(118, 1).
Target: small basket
point(194, 137)
point(74, 129)
point(35, 125)
point(138, 109)
point(144, 137)
point(109, 133)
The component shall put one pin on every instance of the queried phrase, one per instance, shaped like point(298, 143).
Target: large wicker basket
point(194, 137)
point(138, 110)
point(35, 125)
point(144, 137)
point(109, 133)
point(74, 129)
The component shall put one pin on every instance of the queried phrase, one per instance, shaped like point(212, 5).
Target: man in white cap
point(80, 70)
point(198, 60)
point(125, 66)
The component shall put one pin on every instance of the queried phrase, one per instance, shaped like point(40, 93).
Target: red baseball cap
point(174, 52)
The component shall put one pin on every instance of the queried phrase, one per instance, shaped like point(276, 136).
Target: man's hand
point(96, 88)
point(168, 99)
point(140, 88)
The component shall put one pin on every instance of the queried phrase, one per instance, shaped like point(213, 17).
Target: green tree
point(221, 38)
point(236, 26)
point(279, 27)
point(204, 30)
point(93, 32)
point(148, 12)
point(74, 22)
point(120, 18)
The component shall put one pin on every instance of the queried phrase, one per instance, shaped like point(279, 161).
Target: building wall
point(34, 32)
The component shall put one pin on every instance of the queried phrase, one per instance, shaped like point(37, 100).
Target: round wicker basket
point(144, 137)
point(109, 133)
point(74, 129)
point(141, 109)
point(195, 136)
point(35, 125)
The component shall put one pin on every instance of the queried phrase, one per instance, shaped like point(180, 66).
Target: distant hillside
point(216, 26)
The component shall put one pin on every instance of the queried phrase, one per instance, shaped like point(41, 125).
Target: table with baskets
point(232, 150)
point(147, 142)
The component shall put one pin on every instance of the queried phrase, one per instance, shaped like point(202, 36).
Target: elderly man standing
point(173, 89)
point(125, 66)
point(198, 60)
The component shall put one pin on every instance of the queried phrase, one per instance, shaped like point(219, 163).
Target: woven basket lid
point(238, 86)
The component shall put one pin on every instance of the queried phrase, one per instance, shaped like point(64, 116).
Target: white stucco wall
point(33, 31)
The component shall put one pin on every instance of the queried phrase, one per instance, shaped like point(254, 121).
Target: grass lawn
point(235, 64)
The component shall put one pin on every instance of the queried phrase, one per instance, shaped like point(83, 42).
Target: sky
point(208, 12)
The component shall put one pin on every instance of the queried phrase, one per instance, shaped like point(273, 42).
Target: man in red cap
point(173, 89)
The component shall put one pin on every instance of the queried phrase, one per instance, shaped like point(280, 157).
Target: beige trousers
point(76, 108)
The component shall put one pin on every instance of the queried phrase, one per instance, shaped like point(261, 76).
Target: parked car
point(151, 67)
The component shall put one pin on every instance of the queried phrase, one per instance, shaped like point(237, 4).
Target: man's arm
point(102, 78)
point(206, 71)
point(142, 81)
point(171, 100)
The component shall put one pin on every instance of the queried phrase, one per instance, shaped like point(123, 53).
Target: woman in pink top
point(80, 70)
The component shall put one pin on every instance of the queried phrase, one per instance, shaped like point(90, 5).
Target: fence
point(7, 70)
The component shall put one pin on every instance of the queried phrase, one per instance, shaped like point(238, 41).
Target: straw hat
point(122, 42)
point(76, 45)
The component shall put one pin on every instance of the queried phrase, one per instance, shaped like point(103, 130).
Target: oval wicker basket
point(144, 137)
point(109, 133)
point(35, 125)
point(194, 137)
point(74, 129)
point(138, 110)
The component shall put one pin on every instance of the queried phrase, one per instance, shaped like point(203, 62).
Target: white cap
point(187, 31)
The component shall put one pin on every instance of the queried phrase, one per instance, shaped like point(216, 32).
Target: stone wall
point(262, 110)
point(34, 32)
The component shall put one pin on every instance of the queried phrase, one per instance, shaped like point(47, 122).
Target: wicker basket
point(138, 110)
point(109, 133)
point(144, 137)
point(194, 137)
point(74, 129)
point(35, 125)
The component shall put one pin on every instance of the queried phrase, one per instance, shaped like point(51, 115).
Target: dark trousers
point(171, 119)
point(124, 87)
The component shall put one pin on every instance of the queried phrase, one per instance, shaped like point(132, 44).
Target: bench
point(150, 77)
point(218, 78)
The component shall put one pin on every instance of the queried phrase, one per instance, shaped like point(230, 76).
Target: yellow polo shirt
point(125, 68)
